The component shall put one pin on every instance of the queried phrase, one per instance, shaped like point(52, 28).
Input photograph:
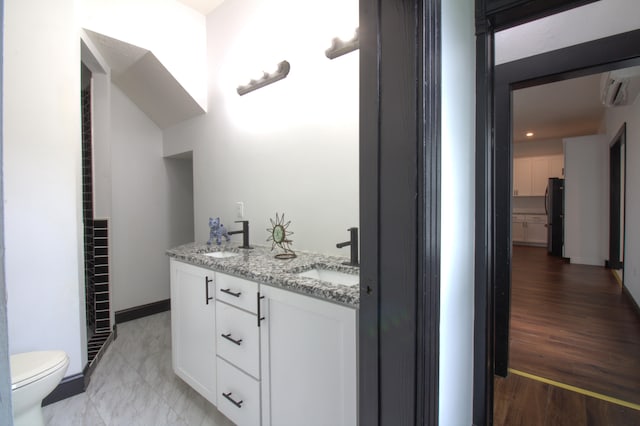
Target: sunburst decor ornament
point(279, 236)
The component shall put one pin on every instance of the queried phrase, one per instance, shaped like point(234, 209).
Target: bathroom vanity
point(267, 341)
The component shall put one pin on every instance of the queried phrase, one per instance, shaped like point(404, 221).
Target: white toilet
point(33, 376)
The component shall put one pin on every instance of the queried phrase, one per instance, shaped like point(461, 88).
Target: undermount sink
point(221, 254)
point(335, 277)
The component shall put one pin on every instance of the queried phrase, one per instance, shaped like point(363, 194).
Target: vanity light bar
point(283, 70)
point(339, 47)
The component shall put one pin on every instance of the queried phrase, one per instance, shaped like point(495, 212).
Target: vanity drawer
point(238, 395)
point(238, 338)
point(237, 292)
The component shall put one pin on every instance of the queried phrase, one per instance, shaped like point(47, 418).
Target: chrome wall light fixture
point(266, 79)
point(340, 47)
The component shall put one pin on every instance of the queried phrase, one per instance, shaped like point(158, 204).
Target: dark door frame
point(399, 211)
point(491, 16)
point(616, 167)
point(494, 181)
point(400, 62)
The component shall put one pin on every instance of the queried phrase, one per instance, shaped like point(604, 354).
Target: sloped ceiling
point(143, 78)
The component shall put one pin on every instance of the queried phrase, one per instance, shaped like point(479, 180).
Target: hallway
point(571, 324)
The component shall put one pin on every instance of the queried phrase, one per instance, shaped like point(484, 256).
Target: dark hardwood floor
point(520, 401)
point(571, 324)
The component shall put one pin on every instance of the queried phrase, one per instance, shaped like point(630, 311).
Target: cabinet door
point(193, 327)
point(536, 232)
point(556, 166)
point(522, 177)
point(308, 360)
point(517, 232)
point(539, 176)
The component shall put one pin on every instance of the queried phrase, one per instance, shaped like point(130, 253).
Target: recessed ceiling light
point(529, 134)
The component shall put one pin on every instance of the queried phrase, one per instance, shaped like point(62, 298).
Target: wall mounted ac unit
point(620, 87)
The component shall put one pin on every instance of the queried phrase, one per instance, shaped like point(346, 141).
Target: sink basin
point(335, 277)
point(221, 254)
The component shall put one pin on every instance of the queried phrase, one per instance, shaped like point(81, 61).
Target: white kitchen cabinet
point(531, 174)
point(308, 360)
point(536, 232)
point(522, 176)
point(193, 340)
point(539, 176)
point(529, 229)
point(517, 228)
point(556, 166)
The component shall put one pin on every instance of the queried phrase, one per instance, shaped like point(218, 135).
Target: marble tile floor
point(134, 385)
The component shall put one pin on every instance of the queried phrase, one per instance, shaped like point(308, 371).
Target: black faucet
point(353, 242)
point(244, 232)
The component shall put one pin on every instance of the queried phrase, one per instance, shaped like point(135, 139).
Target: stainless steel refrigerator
point(554, 206)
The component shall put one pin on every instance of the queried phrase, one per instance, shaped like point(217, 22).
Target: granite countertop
point(260, 265)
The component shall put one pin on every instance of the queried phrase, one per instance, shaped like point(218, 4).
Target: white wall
point(144, 223)
point(180, 202)
point(615, 117)
point(590, 22)
point(5, 373)
point(290, 147)
point(175, 33)
point(101, 134)
point(586, 199)
point(458, 205)
point(537, 148)
point(42, 179)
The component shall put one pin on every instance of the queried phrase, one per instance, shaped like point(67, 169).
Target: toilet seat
point(29, 367)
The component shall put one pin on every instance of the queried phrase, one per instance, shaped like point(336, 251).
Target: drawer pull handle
point(207, 280)
point(260, 317)
point(234, 402)
point(231, 339)
point(228, 291)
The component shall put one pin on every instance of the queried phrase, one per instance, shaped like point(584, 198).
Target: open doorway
point(546, 68)
point(531, 55)
point(572, 330)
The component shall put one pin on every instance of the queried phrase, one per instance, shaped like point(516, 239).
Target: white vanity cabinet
point(263, 355)
point(193, 327)
point(308, 360)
